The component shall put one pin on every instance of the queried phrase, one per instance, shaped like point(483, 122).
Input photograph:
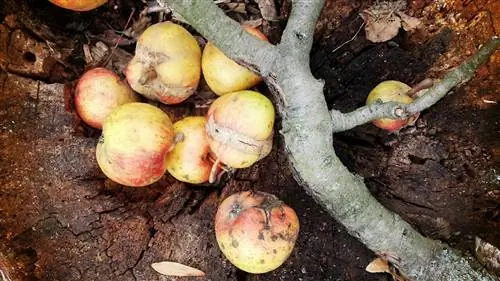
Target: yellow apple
point(188, 161)
point(390, 91)
point(167, 64)
point(256, 231)
point(240, 128)
point(133, 147)
point(224, 75)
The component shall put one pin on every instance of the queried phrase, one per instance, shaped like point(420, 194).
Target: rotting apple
point(79, 5)
point(98, 92)
point(256, 231)
point(133, 147)
point(240, 128)
point(188, 161)
point(224, 75)
point(391, 91)
point(167, 63)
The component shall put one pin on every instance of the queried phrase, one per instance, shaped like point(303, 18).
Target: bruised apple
point(391, 91)
point(240, 128)
point(167, 63)
point(98, 92)
point(78, 5)
point(133, 147)
point(256, 231)
point(224, 75)
point(188, 161)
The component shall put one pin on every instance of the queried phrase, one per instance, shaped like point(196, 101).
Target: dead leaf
point(380, 28)
point(408, 23)
point(383, 20)
point(378, 265)
point(253, 23)
point(488, 255)
point(176, 269)
point(237, 7)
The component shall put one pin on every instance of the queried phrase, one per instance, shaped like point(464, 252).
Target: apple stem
point(213, 172)
point(416, 91)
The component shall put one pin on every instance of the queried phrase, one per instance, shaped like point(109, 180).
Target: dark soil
point(61, 219)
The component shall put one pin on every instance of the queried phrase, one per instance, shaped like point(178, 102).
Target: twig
point(461, 74)
point(120, 38)
point(350, 40)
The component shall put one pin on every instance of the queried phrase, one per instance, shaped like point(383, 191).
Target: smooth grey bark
point(307, 130)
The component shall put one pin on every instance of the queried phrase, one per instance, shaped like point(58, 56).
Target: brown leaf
point(378, 265)
point(381, 28)
point(237, 7)
point(488, 255)
point(408, 23)
point(176, 269)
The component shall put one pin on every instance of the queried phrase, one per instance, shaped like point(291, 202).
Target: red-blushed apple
point(224, 75)
point(133, 147)
point(256, 231)
point(391, 91)
point(98, 92)
point(189, 160)
point(79, 5)
point(167, 63)
point(240, 128)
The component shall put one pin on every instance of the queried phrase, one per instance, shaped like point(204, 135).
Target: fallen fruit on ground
point(167, 63)
point(224, 75)
point(79, 5)
point(188, 161)
point(133, 147)
point(256, 231)
point(391, 91)
point(98, 92)
point(240, 128)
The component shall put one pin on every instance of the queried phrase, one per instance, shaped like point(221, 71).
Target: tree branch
point(307, 131)
point(461, 74)
point(299, 32)
point(226, 34)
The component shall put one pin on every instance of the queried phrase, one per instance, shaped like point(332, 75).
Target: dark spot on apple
point(262, 261)
point(275, 251)
point(261, 236)
point(235, 244)
point(274, 238)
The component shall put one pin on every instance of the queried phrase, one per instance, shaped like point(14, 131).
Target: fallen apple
point(98, 92)
point(224, 75)
point(240, 128)
point(188, 161)
point(167, 63)
point(256, 231)
point(391, 91)
point(133, 147)
point(79, 5)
